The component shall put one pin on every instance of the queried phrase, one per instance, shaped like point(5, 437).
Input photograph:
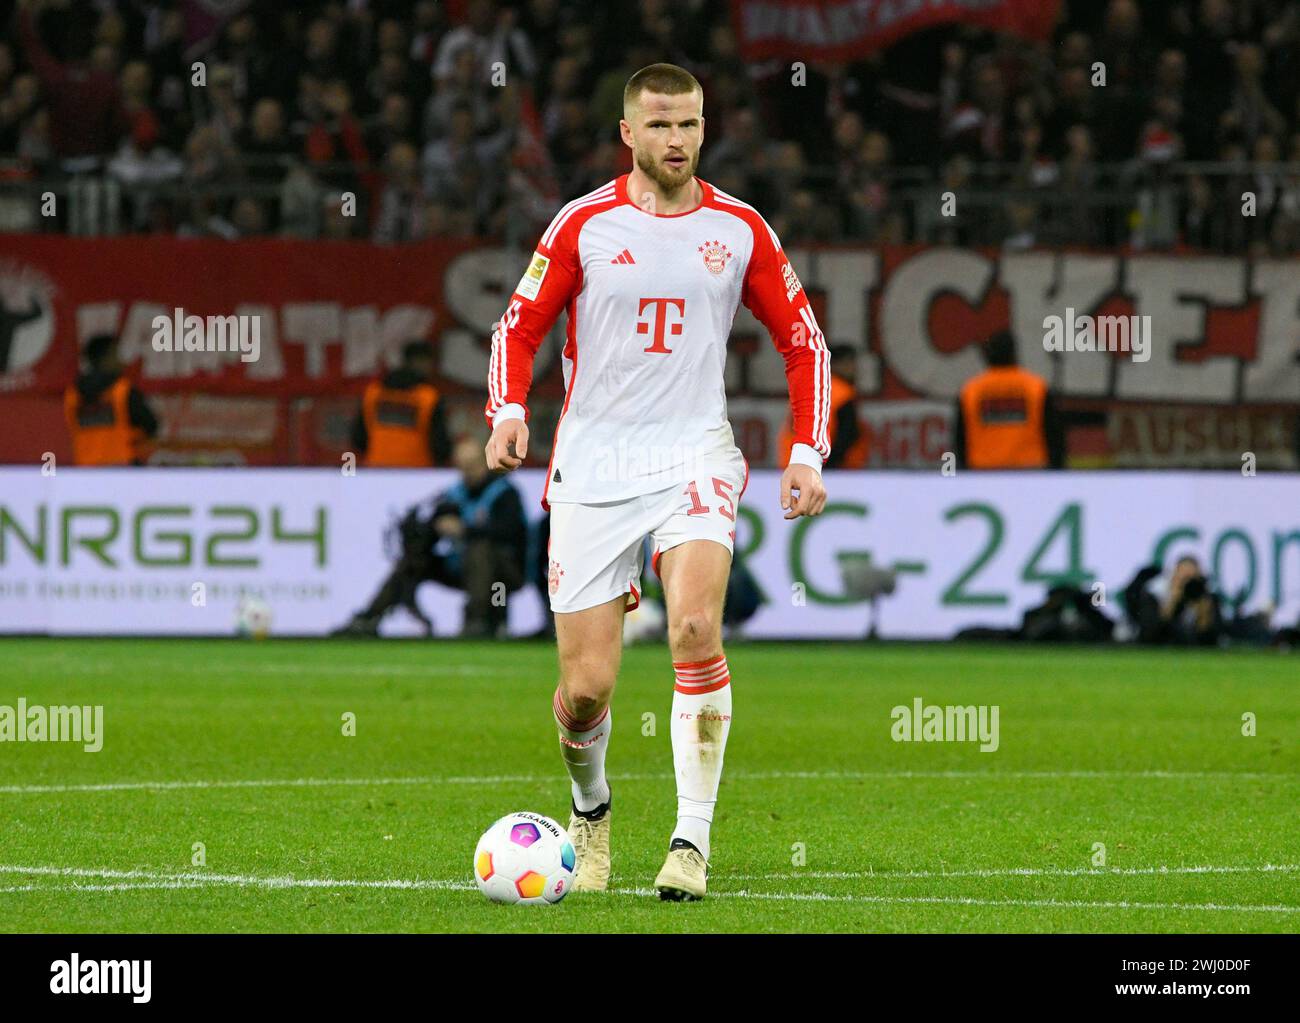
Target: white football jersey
point(651, 300)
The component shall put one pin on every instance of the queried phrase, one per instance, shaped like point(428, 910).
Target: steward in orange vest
point(109, 420)
point(849, 442)
point(1006, 417)
point(401, 422)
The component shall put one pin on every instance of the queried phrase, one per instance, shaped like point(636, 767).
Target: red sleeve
point(552, 277)
point(772, 292)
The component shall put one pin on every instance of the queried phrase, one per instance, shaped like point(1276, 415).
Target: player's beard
point(664, 176)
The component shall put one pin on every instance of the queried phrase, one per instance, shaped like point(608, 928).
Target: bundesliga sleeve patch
point(531, 282)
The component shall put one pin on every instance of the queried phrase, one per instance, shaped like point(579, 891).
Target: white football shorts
point(596, 550)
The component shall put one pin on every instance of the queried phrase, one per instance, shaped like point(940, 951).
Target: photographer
point(472, 537)
point(1181, 609)
point(1066, 616)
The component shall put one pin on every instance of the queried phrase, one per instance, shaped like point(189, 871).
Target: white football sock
point(701, 721)
point(583, 745)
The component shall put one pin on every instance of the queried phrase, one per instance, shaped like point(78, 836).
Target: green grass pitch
point(240, 746)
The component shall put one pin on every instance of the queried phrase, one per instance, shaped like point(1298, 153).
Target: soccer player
point(651, 268)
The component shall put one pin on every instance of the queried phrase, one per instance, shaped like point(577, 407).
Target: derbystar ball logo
point(792, 285)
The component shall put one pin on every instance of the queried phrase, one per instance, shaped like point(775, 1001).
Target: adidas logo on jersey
point(623, 257)
point(556, 477)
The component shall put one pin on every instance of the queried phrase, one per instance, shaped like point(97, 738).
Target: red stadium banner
point(842, 30)
point(327, 315)
point(1223, 333)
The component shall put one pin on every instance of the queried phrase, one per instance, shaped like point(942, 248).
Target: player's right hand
point(508, 446)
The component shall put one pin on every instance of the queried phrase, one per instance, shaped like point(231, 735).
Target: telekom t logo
point(660, 318)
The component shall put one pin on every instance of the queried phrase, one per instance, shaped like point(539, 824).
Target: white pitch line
point(1012, 775)
point(849, 875)
point(945, 900)
point(148, 880)
point(254, 668)
point(251, 783)
point(120, 887)
point(202, 879)
point(537, 779)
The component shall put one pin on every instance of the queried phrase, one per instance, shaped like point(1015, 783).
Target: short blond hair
point(667, 79)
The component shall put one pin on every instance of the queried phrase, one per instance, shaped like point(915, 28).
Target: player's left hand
point(807, 483)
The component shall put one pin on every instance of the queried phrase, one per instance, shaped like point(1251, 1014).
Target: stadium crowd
point(480, 122)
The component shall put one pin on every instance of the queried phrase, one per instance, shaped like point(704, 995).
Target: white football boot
point(684, 875)
point(589, 833)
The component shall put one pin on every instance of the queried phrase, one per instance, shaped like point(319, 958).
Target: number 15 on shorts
point(723, 489)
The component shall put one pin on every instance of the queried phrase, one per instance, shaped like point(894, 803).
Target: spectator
point(108, 418)
point(1286, 226)
point(462, 88)
point(84, 103)
point(393, 124)
point(164, 51)
point(395, 74)
point(300, 203)
point(1200, 215)
point(1250, 114)
point(257, 73)
point(566, 86)
point(263, 148)
point(428, 28)
point(978, 128)
point(1203, 79)
point(1078, 223)
point(1156, 212)
point(334, 140)
point(495, 40)
point(336, 222)
point(225, 114)
point(446, 162)
point(321, 57)
point(1006, 417)
point(248, 217)
point(939, 222)
point(18, 109)
point(6, 67)
point(402, 201)
point(136, 84)
point(871, 215)
point(401, 424)
point(144, 166)
point(265, 142)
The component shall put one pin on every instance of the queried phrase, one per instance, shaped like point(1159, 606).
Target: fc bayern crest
point(715, 256)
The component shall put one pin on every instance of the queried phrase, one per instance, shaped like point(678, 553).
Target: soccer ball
point(524, 857)
point(253, 618)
